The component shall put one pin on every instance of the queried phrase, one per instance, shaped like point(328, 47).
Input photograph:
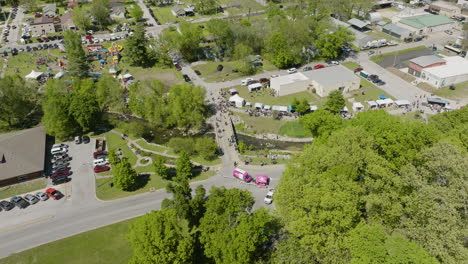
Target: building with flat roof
point(416, 65)
point(22, 155)
point(396, 31)
point(425, 24)
point(44, 26)
point(320, 81)
point(454, 71)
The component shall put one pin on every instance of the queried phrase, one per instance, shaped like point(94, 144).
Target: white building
point(455, 71)
point(320, 81)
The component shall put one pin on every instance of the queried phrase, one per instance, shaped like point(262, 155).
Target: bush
point(182, 144)
point(206, 147)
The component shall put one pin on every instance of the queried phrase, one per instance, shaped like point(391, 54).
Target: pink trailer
point(262, 180)
point(241, 175)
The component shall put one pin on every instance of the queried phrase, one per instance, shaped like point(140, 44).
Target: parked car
point(333, 63)
point(77, 140)
point(264, 80)
point(60, 165)
point(197, 72)
point(177, 66)
point(371, 52)
point(19, 202)
point(101, 162)
point(246, 81)
point(42, 196)
point(60, 145)
point(99, 154)
point(60, 158)
point(186, 78)
point(380, 83)
point(55, 151)
point(60, 180)
point(292, 70)
point(358, 70)
point(86, 139)
point(54, 194)
point(7, 206)
point(31, 198)
point(373, 77)
point(307, 68)
point(274, 75)
point(57, 170)
point(269, 197)
point(319, 66)
point(60, 173)
point(98, 169)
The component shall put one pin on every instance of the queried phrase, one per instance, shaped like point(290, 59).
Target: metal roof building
point(396, 31)
point(454, 71)
point(424, 24)
point(358, 23)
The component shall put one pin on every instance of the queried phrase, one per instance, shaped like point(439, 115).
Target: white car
point(269, 197)
point(334, 63)
point(60, 145)
point(245, 82)
point(292, 70)
point(100, 162)
point(55, 151)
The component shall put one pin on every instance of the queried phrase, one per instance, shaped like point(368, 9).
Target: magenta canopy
point(261, 180)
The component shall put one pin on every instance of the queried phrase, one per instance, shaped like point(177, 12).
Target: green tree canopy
point(278, 51)
point(335, 102)
point(76, 62)
point(100, 10)
point(186, 106)
point(206, 147)
point(160, 167)
point(110, 94)
point(124, 175)
point(84, 107)
point(80, 18)
point(136, 51)
point(136, 12)
point(322, 122)
point(183, 165)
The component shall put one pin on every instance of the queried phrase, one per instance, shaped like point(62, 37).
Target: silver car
point(42, 196)
point(31, 198)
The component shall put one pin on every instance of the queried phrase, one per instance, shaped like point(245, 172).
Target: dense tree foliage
point(80, 18)
point(204, 146)
point(18, 99)
point(124, 175)
point(183, 106)
point(76, 62)
point(136, 12)
point(335, 102)
point(322, 122)
point(160, 167)
point(100, 10)
point(136, 51)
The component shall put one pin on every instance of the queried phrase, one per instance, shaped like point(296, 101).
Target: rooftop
point(358, 23)
point(290, 78)
point(24, 152)
point(43, 20)
point(445, 5)
point(428, 20)
point(332, 75)
point(455, 66)
point(425, 61)
point(396, 29)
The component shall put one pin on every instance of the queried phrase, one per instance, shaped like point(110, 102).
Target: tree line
point(374, 189)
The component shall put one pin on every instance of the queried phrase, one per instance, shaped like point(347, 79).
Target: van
point(246, 82)
point(241, 175)
point(56, 151)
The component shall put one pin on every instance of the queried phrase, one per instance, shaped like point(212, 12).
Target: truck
point(364, 74)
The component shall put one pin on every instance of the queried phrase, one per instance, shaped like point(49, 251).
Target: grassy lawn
point(104, 191)
point(460, 92)
point(142, 143)
point(376, 34)
point(245, 5)
point(211, 74)
point(259, 125)
point(294, 129)
point(115, 142)
point(350, 65)
point(370, 94)
point(379, 58)
point(201, 160)
point(107, 244)
point(164, 15)
point(403, 75)
point(24, 63)
point(264, 96)
point(25, 187)
point(412, 116)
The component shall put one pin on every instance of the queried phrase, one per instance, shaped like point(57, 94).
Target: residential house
point(22, 155)
point(49, 10)
point(66, 21)
point(179, 11)
point(117, 9)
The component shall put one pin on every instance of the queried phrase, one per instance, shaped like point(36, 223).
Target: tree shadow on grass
point(141, 181)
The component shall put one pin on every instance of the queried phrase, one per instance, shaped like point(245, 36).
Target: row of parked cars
point(100, 162)
point(60, 164)
point(374, 78)
point(29, 199)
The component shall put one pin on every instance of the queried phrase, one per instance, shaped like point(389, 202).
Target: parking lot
point(78, 192)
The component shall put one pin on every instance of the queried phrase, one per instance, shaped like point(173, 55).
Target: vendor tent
point(313, 108)
point(279, 108)
point(382, 96)
point(237, 100)
point(357, 106)
point(388, 101)
point(381, 103)
point(254, 87)
point(258, 105)
point(232, 91)
point(248, 104)
point(127, 76)
point(402, 102)
point(372, 104)
point(59, 75)
point(34, 75)
point(266, 107)
point(437, 101)
point(345, 109)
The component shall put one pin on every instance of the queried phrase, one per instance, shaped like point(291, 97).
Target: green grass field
point(104, 245)
point(114, 142)
point(20, 188)
point(210, 73)
point(294, 129)
point(264, 96)
point(142, 143)
point(260, 125)
point(460, 92)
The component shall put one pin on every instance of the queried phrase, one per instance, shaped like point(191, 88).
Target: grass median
point(24, 187)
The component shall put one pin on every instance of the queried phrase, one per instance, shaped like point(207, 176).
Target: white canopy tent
point(254, 87)
point(267, 107)
point(345, 109)
point(127, 76)
point(372, 104)
point(34, 75)
point(381, 103)
point(237, 100)
point(258, 105)
point(357, 106)
point(388, 101)
point(59, 75)
point(313, 108)
point(280, 108)
point(248, 104)
point(400, 103)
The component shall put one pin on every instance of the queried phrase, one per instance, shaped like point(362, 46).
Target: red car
point(54, 194)
point(319, 66)
point(178, 67)
point(358, 70)
point(99, 153)
point(60, 173)
point(98, 169)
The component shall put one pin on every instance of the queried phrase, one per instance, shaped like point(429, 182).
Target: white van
point(245, 82)
point(55, 151)
point(100, 162)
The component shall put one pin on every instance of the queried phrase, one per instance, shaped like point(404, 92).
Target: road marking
point(24, 224)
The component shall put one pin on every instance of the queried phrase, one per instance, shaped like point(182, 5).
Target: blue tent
point(382, 96)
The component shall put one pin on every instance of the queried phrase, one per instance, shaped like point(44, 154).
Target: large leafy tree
point(147, 99)
point(80, 18)
point(100, 10)
point(136, 12)
point(183, 165)
point(83, 105)
point(187, 108)
point(161, 237)
point(109, 93)
point(125, 176)
point(206, 6)
point(160, 168)
point(18, 100)
point(335, 102)
point(330, 44)
point(76, 62)
point(322, 122)
point(57, 120)
point(188, 40)
point(136, 51)
point(278, 51)
point(206, 147)
point(230, 231)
